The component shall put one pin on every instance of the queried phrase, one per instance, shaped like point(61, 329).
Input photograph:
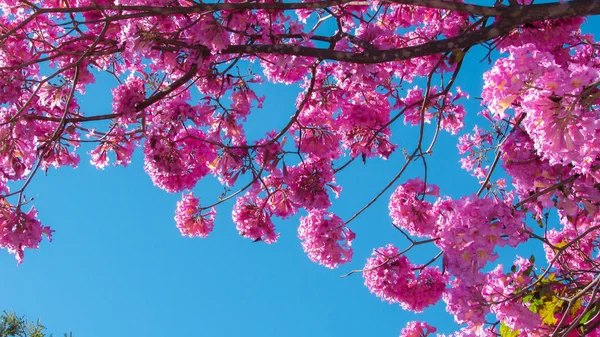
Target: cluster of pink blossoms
point(189, 219)
point(252, 218)
point(417, 329)
point(121, 144)
point(409, 211)
point(471, 229)
point(127, 96)
point(467, 230)
point(176, 161)
point(325, 238)
point(577, 241)
point(391, 276)
point(546, 86)
point(20, 230)
point(500, 287)
point(309, 183)
point(476, 146)
point(445, 107)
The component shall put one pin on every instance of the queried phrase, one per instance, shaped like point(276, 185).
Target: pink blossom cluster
point(190, 220)
point(177, 160)
point(392, 277)
point(417, 329)
point(470, 230)
point(20, 230)
point(576, 241)
point(305, 186)
point(548, 90)
point(467, 304)
point(127, 96)
point(409, 211)
point(325, 238)
point(476, 146)
point(500, 290)
point(252, 218)
point(528, 171)
point(280, 201)
point(120, 143)
point(309, 183)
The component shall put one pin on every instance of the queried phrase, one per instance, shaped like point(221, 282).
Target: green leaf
point(575, 308)
point(549, 309)
point(505, 331)
point(586, 318)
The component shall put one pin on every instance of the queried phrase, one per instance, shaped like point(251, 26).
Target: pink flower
point(577, 255)
point(414, 98)
point(229, 165)
point(269, 152)
point(253, 220)
point(417, 329)
point(127, 96)
point(325, 238)
point(286, 69)
point(391, 277)
point(366, 134)
point(177, 160)
point(426, 290)
point(387, 273)
point(10, 86)
point(116, 141)
point(189, 219)
point(470, 231)
point(466, 304)
point(410, 212)
point(17, 153)
point(499, 289)
point(308, 181)
point(529, 171)
point(279, 200)
point(19, 230)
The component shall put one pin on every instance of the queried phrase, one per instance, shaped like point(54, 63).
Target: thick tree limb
point(511, 18)
point(208, 7)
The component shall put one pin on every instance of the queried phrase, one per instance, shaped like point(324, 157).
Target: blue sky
point(118, 266)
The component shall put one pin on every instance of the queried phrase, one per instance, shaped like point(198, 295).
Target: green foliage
point(505, 331)
point(591, 313)
point(13, 325)
point(543, 300)
point(549, 309)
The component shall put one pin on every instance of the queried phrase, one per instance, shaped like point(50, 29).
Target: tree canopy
point(184, 76)
point(13, 325)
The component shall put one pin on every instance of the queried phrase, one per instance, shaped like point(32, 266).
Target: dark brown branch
point(73, 119)
point(283, 6)
point(547, 190)
point(452, 6)
point(511, 18)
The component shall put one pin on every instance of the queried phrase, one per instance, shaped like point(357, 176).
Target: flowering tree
point(180, 94)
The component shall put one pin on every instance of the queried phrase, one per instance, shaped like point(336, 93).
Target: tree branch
point(511, 18)
point(281, 6)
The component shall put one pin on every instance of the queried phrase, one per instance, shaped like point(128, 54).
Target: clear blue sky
point(118, 266)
